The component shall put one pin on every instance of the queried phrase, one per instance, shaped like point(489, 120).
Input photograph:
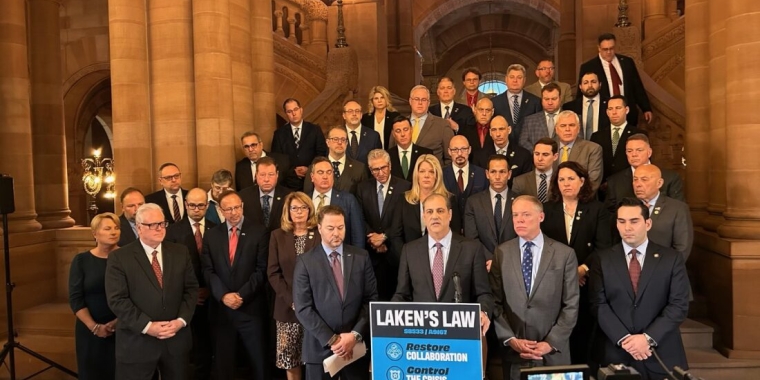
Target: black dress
point(96, 357)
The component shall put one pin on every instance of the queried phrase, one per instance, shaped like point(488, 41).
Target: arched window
point(493, 84)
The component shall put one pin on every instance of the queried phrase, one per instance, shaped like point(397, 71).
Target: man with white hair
point(428, 131)
point(573, 148)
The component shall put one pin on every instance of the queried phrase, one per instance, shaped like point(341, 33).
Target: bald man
point(477, 135)
point(671, 219)
point(462, 178)
point(520, 159)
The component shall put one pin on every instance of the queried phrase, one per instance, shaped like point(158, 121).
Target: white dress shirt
point(315, 197)
point(341, 163)
point(253, 166)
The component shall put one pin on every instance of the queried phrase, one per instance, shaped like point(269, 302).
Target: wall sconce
point(98, 172)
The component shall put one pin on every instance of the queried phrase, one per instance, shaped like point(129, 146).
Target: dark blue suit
point(212, 214)
point(476, 183)
point(368, 140)
point(354, 218)
point(530, 104)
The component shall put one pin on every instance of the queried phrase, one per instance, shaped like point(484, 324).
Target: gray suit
point(548, 315)
point(588, 154)
point(435, 135)
point(620, 185)
point(479, 222)
point(671, 225)
point(525, 184)
point(565, 94)
point(534, 129)
point(353, 173)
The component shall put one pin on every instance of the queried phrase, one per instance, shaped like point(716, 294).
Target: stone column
point(242, 92)
point(130, 95)
point(566, 67)
point(213, 88)
point(15, 116)
point(402, 59)
point(655, 16)
point(48, 135)
point(262, 66)
point(172, 93)
point(697, 68)
point(717, 153)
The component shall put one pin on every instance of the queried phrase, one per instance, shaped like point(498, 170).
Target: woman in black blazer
point(380, 113)
point(574, 217)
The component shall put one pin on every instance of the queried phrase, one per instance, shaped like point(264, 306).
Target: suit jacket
point(550, 312)
point(672, 226)
point(354, 219)
point(245, 275)
point(135, 297)
point(434, 135)
point(589, 154)
point(520, 160)
point(579, 104)
point(312, 144)
point(127, 234)
point(479, 223)
point(416, 151)
point(614, 163)
point(368, 119)
point(460, 113)
point(590, 231)
point(525, 184)
point(368, 140)
point(389, 222)
point(462, 98)
point(534, 129)
point(466, 258)
point(319, 305)
point(657, 309)
point(620, 185)
point(244, 176)
point(351, 174)
point(566, 94)
point(251, 197)
point(182, 233)
point(635, 93)
point(159, 198)
point(412, 220)
point(212, 214)
point(530, 104)
point(282, 262)
point(475, 184)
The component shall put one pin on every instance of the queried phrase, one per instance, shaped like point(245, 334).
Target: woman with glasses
point(96, 323)
point(380, 113)
point(297, 234)
point(427, 180)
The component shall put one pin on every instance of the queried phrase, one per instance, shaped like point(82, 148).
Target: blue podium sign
point(425, 341)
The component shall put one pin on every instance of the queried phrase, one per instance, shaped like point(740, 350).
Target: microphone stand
point(457, 288)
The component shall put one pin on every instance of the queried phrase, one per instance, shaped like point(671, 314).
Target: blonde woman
point(96, 323)
point(427, 180)
point(380, 113)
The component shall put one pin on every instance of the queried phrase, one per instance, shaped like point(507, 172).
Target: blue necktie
point(266, 209)
point(527, 266)
point(590, 119)
point(380, 200)
point(516, 110)
point(497, 214)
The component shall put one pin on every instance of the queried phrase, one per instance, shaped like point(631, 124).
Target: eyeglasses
point(294, 110)
point(299, 208)
point(196, 206)
point(338, 140)
point(459, 150)
point(324, 172)
point(353, 112)
point(420, 100)
point(156, 226)
point(380, 169)
point(173, 177)
point(545, 69)
point(232, 209)
point(251, 146)
point(219, 188)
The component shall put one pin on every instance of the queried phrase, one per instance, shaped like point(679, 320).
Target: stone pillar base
point(56, 219)
point(22, 222)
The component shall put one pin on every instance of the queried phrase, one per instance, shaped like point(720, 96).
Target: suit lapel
point(578, 220)
point(451, 263)
point(424, 258)
point(486, 206)
point(425, 127)
point(145, 264)
point(388, 197)
point(620, 264)
point(324, 262)
point(514, 262)
point(533, 185)
point(546, 257)
point(651, 262)
point(348, 262)
point(658, 206)
point(506, 218)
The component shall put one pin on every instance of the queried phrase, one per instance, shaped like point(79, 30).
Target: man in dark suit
point(131, 200)
point(361, 139)
point(404, 153)
point(541, 124)
point(478, 134)
point(535, 283)
point(613, 139)
point(428, 130)
point(619, 75)
point(572, 148)
point(189, 232)
point(221, 181)
point(429, 264)
point(380, 198)
point(171, 197)
point(640, 296)
point(515, 104)
point(324, 194)
point(498, 142)
point(348, 172)
point(265, 200)
point(234, 263)
point(333, 285)
point(462, 178)
point(471, 81)
point(245, 169)
point(620, 185)
point(671, 218)
point(459, 116)
point(590, 108)
point(544, 156)
point(150, 285)
point(299, 140)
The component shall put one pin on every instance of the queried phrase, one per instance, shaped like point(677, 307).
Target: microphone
point(457, 289)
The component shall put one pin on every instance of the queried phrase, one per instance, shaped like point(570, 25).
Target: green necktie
point(615, 139)
point(405, 165)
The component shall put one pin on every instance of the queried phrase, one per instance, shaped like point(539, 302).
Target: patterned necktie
point(615, 139)
point(438, 270)
point(354, 145)
point(337, 272)
point(516, 110)
point(550, 123)
point(415, 130)
point(498, 214)
point(380, 200)
point(405, 165)
point(634, 270)
point(565, 154)
point(446, 116)
point(157, 269)
point(265, 208)
point(616, 81)
point(590, 119)
point(297, 137)
point(542, 188)
point(175, 209)
point(527, 266)
point(198, 237)
point(321, 202)
point(336, 170)
point(460, 181)
point(233, 243)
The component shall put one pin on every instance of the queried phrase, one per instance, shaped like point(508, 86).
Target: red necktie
point(460, 182)
point(482, 134)
point(233, 244)
point(198, 237)
point(337, 272)
point(634, 270)
point(616, 81)
point(157, 269)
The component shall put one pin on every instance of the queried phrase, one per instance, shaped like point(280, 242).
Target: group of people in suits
point(514, 194)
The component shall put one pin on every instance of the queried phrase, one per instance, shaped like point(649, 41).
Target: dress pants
point(170, 366)
point(252, 333)
point(358, 370)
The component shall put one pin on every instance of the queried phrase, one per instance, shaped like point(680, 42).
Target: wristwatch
point(357, 336)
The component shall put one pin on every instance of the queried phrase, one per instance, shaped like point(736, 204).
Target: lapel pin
point(656, 255)
point(243, 234)
point(657, 210)
point(278, 198)
point(390, 192)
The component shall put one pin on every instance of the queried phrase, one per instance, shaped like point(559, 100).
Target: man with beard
point(221, 181)
point(590, 108)
point(462, 178)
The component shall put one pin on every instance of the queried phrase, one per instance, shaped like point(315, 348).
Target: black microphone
point(457, 289)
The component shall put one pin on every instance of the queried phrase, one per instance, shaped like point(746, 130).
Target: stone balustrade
point(302, 23)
